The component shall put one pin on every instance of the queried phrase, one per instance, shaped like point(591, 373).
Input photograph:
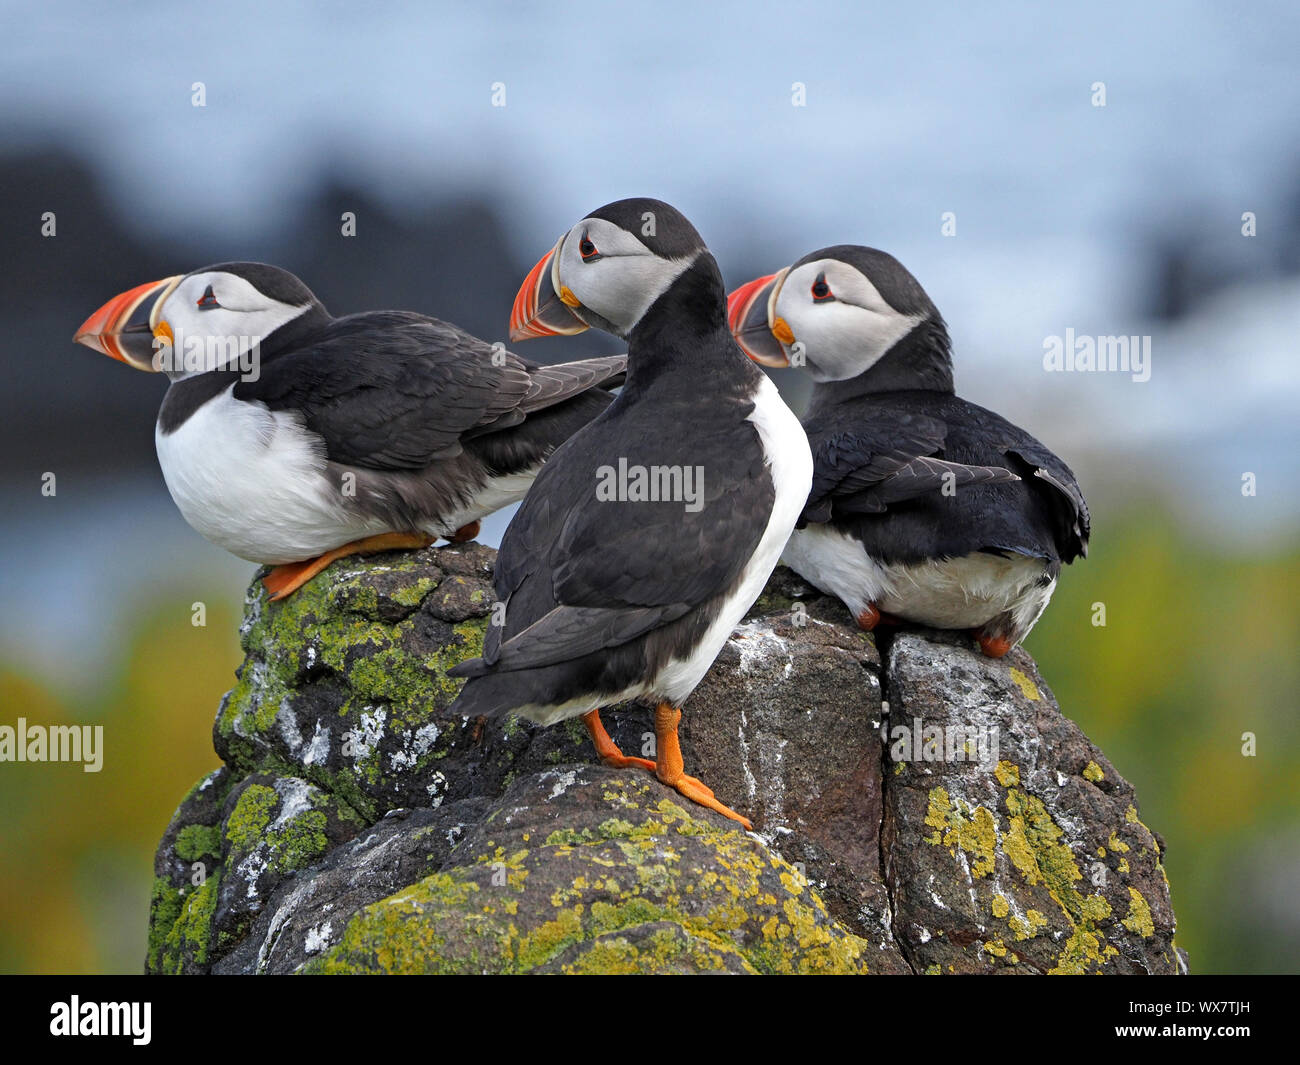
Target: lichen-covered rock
point(345, 682)
point(273, 826)
point(581, 869)
point(186, 879)
point(1026, 855)
point(356, 828)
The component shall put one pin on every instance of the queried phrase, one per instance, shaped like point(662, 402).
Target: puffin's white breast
point(789, 460)
point(954, 593)
point(253, 481)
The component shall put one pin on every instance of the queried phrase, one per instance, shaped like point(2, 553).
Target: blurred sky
point(911, 111)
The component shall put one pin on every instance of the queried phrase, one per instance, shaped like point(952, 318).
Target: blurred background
point(1123, 219)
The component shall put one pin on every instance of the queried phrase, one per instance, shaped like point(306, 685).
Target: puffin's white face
point(602, 268)
point(830, 318)
point(215, 318)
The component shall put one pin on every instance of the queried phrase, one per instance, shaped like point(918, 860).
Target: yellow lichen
point(1139, 915)
point(1027, 686)
point(1034, 844)
point(974, 832)
point(1028, 926)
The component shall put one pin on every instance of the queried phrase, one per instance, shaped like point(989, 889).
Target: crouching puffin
point(924, 507)
point(651, 530)
point(293, 438)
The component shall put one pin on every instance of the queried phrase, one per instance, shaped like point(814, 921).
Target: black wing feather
point(578, 574)
point(393, 390)
point(882, 462)
point(892, 457)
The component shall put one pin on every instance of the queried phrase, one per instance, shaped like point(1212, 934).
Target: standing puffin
point(631, 594)
point(293, 438)
point(924, 507)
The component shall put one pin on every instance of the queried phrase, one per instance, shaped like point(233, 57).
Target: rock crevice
point(928, 812)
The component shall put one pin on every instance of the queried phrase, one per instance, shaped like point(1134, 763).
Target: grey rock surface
point(929, 812)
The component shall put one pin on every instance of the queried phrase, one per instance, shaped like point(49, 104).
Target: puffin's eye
point(207, 301)
point(587, 250)
point(821, 292)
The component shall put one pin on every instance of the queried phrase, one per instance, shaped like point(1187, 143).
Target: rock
point(356, 828)
point(1034, 858)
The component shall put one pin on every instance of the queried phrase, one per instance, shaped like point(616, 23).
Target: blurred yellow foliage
point(76, 848)
point(1198, 649)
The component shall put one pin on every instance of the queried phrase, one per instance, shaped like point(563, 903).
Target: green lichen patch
point(199, 842)
point(640, 883)
point(657, 948)
point(247, 823)
point(187, 943)
point(165, 903)
point(190, 851)
point(275, 826)
point(345, 683)
point(1034, 844)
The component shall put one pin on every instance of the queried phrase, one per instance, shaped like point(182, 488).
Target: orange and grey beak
point(542, 307)
point(111, 331)
point(749, 314)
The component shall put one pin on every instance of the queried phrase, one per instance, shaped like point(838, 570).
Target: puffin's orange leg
point(465, 532)
point(284, 580)
point(670, 768)
point(994, 646)
point(607, 748)
point(871, 617)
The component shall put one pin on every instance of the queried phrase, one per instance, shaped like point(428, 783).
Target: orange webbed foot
point(994, 646)
point(670, 771)
point(872, 618)
point(607, 749)
point(465, 532)
point(284, 580)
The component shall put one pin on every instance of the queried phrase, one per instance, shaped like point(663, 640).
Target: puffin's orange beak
point(749, 315)
point(111, 332)
point(539, 309)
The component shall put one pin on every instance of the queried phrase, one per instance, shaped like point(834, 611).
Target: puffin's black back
point(611, 590)
point(1042, 515)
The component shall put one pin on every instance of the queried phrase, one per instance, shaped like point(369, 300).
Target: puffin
point(292, 438)
point(924, 507)
point(653, 528)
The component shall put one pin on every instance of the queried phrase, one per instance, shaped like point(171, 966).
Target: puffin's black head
point(837, 312)
point(606, 271)
point(208, 318)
